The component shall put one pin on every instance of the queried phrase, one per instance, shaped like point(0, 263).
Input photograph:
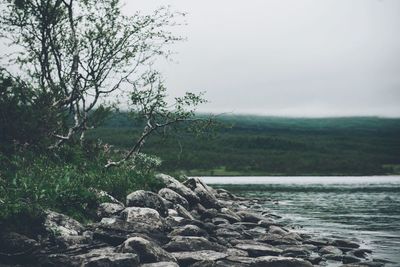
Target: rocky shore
point(184, 224)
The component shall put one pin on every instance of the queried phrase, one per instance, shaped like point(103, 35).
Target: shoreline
point(184, 224)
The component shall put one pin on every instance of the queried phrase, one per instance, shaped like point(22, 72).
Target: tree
point(80, 54)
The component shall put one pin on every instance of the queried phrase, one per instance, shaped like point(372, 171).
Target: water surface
point(366, 209)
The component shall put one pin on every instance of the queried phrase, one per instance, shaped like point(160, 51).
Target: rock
point(188, 257)
point(147, 251)
point(108, 257)
point(256, 250)
point(222, 193)
point(272, 261)
point(172, 212)
point(330, 250)
point(364, 264)
point(179, 188)
point(115, 231)
point(227, 233)
point(207, 197)
point(275, 240)
point(296, 252)
point(64, 230)
point(160, 264)
point(361, 253)
point(17, 248)
point(108, 209)
point(273, 229)
point(173, 197)
point(333, 257)
point(350, 259)
point(143, 215)
point(345, 243)
point(316, 242)
point(207, 214)
point(219, 220)
point(229, 215)
point(191, 243)
point(183, 212)
point(237, 252)
point(147, 199)
point(250, 216)
point(189, 230)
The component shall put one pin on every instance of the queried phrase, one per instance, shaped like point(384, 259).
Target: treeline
point(253, 145)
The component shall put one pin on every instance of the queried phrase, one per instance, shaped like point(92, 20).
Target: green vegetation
point(254, 145)
point(73, 62)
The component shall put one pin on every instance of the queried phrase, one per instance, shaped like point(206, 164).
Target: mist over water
point(366, 209)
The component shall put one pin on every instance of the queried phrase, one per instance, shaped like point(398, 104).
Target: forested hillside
point(252, 145)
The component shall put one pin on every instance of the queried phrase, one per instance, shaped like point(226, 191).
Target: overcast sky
point(288, 57)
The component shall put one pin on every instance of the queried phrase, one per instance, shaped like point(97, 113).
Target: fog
point(287, 57)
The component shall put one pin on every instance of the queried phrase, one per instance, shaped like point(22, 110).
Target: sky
point(300, 58)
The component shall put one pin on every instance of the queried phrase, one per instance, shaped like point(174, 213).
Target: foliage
point(26, 117)
point(79, 55)
point(65, 182)
point(252, 145)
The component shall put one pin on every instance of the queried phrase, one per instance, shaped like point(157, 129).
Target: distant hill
point(257, 145)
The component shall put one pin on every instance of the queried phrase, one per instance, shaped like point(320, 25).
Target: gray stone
point(147, 199)
point(330, 250)
point(275, 239)
point(345, 243)
point(147, 250)
point(143, 215)
point(183, 212)
point(191, 243)
point(109, 209)
point(237, 252)
point(204, 192)
point(179, 188)
point(63, 229)
point(188, 257)
point(160, 264)
point(189, 230)
point(115, 231)
point(273, 261)
point(256, 250)
point(173, 197)
point(250, 216)
point(108, 257)
point(350, 259)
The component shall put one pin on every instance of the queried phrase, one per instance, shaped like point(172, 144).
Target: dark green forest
point(256, 145)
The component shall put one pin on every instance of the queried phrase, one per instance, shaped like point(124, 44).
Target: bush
point(30, 183)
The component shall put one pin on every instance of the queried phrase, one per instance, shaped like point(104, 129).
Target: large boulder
point(147, 250)
point(204, 192)
point(147, 199)
point(144, 215)
point(178, 187)
point(274, 261)
point(173, 197)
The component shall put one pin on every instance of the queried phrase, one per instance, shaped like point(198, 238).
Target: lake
point(363, 208)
